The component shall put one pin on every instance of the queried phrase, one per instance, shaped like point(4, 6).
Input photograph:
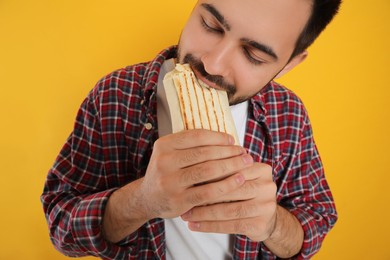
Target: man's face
point(240, 45)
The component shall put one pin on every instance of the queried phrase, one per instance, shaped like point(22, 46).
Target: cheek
point(195, 40)
point(189, 37)
point(249, 79)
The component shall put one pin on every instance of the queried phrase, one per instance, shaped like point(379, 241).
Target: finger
point(224, 211)
point(258, 180)
point(213, 171)
point(200, 195)
point(189, 157)
point(251, 227)
point(262, 191)
point(193, 138)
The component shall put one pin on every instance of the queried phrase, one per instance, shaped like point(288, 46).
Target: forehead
point(276, 22)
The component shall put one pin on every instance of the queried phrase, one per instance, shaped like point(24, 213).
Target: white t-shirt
point(181, 242)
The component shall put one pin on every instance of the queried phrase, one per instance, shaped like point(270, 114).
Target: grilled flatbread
point(194, 105)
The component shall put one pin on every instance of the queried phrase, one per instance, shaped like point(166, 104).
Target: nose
point(218, 58)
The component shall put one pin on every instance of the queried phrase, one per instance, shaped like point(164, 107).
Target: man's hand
point(249, 210)
point(189, 169)
point(186, 169)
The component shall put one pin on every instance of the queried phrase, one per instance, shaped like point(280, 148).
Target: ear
point(292, 63)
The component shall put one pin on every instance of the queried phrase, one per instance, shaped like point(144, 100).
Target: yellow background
point(53, 52)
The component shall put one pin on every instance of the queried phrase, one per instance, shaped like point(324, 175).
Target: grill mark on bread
point(182, 105)
point(197, 100)
point(223, 113)
point(215, 111)
point(190, 99)
point(207, 108)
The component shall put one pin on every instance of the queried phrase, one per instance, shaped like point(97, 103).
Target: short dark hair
point(322, 14)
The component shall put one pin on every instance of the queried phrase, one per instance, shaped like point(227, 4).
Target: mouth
point(204, 80)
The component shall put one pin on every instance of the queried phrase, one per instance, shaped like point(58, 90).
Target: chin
point(234, 100)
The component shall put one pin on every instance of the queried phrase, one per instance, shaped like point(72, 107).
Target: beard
point(230, 89)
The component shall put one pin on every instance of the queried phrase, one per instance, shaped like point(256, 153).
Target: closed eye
point(251, 57)
point(211, 28)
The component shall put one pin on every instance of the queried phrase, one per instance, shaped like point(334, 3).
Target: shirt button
point(148, 126)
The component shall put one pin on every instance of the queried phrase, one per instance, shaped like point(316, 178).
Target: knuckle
point(248, 189)
point(192, 175)
point(214, 213)
point(207, 171)
point(200, 151)
point(222, 167)
point(158, 142)
point(181, 137)
point(195, 135)
point(201, 172)
point(197, 198)
point(240, 227)
point(239, 211)
point(185, 178)
point(238, 150)
point(215, 170)
point(191, 156)
point(244, 189)
point(205, 168)
point(266, 167)
point(270, 207)
point(220, 190)
point(256, 184)
point(274, 189)
point(195, 176)
point(160, 162)
point(244, 227)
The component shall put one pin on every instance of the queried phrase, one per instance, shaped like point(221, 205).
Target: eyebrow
point(211, 9)
point(221, 19)
point(261, 47)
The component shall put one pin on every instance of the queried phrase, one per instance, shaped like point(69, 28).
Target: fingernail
point(247, 159)
point(194, 225)
point(240, 179)
point(186, 215)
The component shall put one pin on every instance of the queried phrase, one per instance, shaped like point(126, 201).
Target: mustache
point(217, 79)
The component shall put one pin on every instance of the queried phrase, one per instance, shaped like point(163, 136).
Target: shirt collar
point(152, 72)
point(258, 103)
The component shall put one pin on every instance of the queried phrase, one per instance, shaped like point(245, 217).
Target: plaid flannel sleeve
point(306, 193)
point(76, 192)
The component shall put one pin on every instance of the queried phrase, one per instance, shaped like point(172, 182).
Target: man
point(122, 188)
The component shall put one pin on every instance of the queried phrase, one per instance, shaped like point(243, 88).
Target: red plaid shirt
point(111, 144)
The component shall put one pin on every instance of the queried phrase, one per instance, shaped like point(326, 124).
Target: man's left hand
point(249, 210)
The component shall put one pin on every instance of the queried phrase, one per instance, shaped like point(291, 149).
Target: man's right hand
point(189, 169)
point(186, 169)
